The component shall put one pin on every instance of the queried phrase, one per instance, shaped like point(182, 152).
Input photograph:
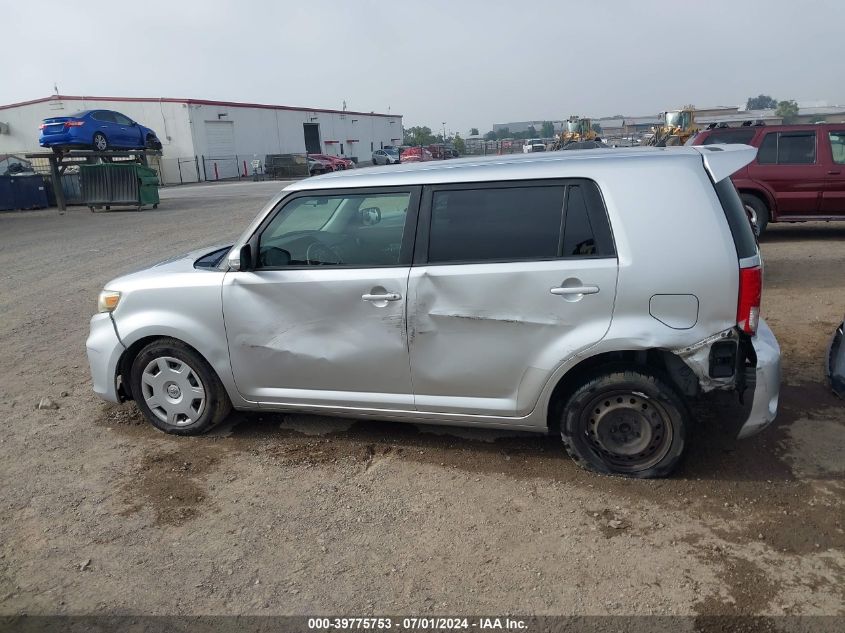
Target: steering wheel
point(318, 254)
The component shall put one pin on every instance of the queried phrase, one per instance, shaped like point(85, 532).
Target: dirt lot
point(296, 514)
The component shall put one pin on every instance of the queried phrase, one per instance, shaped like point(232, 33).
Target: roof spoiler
point(723, 160)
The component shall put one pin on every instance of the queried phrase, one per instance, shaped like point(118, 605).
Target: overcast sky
point(470, 63)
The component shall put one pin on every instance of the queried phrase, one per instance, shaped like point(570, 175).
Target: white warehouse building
point(205, 140)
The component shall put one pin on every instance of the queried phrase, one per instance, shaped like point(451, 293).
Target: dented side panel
point(484, 338)
point(306, 337)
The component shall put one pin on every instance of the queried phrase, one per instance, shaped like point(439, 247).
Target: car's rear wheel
point(100, 143)
point(758, 213)
point(630, 423)
point(176, 389)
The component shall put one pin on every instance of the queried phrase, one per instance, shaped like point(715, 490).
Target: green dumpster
point(118, 185)
point(148, 183)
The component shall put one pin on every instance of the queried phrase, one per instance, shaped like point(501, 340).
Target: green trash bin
point(118, 185)
point(148, 189)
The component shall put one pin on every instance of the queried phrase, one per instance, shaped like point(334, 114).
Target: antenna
point(55, 88)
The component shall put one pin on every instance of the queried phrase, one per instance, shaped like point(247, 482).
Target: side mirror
point(370, 216)
point(241, 259)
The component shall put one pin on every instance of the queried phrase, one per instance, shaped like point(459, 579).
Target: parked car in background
point(798, 174)
point(337, 162)
point(508, 292)
point(100, 130)
point(386, 156)
point(416, 155)
point(533, 145)
point(316, 167)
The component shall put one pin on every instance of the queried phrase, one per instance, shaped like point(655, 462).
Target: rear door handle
point(833, 172)
point(575, 290)
point(390, 296)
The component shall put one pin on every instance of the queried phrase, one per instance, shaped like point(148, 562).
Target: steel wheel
point(631, 431)
point(100, 142)
point(173, 391)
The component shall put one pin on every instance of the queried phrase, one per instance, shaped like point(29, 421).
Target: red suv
point(798, 175)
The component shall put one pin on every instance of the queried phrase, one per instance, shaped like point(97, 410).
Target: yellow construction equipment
point(678, 126)
point(575, 129)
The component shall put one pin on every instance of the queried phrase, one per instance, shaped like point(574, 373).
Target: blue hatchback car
point(100, 130)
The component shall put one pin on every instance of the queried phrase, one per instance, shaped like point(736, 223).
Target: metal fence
point(191, 169)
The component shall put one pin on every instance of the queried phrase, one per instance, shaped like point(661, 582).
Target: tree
point(761, 102)
point(788, 110)
point(419, 135)
point(491, 136)
point(596, 128)
point(458, 144)
point(548, 129)
point(473, 131)
point(532, 132)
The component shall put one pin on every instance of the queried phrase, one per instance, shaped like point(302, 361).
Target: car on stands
point(386, 156)
point(100, 130)
point(338, 163)
point(508, 292)
point(798, 174)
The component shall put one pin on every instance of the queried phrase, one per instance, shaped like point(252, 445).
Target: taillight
point(750, 293)
point(42, 126)
point(74, 123)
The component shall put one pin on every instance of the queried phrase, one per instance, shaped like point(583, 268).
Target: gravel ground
point(295, 514)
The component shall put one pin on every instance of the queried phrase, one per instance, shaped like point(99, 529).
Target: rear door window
point(514, 223)
point(797, 148)
point(104, 115)
point(788, 148)
point(495, 224)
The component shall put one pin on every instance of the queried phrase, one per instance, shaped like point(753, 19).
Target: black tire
point(374, 162)
point(626, 422)
point(213, 410)
point(758, 213)
point(99, 142)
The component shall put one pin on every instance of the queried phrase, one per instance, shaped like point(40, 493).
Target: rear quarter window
point(743, 235)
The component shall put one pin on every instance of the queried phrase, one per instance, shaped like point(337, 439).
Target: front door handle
point(833, 172)
point(390, 296)
point(575, 290)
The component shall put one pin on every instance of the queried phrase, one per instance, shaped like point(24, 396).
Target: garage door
point(220, 148)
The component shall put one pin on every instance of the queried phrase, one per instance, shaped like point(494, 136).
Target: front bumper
point(766, 378)
point(104, 351)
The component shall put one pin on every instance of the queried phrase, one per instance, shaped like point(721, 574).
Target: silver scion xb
point(591, 294)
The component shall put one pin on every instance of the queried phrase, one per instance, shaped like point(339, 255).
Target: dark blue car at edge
point(100, 130)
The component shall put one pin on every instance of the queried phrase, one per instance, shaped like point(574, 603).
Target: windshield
point(391, 150)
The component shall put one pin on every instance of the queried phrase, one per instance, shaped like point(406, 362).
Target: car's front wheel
point(176, 389)
point(100, 143)
point(630, 423)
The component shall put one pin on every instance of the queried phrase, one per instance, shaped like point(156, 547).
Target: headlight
point(108, 300)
